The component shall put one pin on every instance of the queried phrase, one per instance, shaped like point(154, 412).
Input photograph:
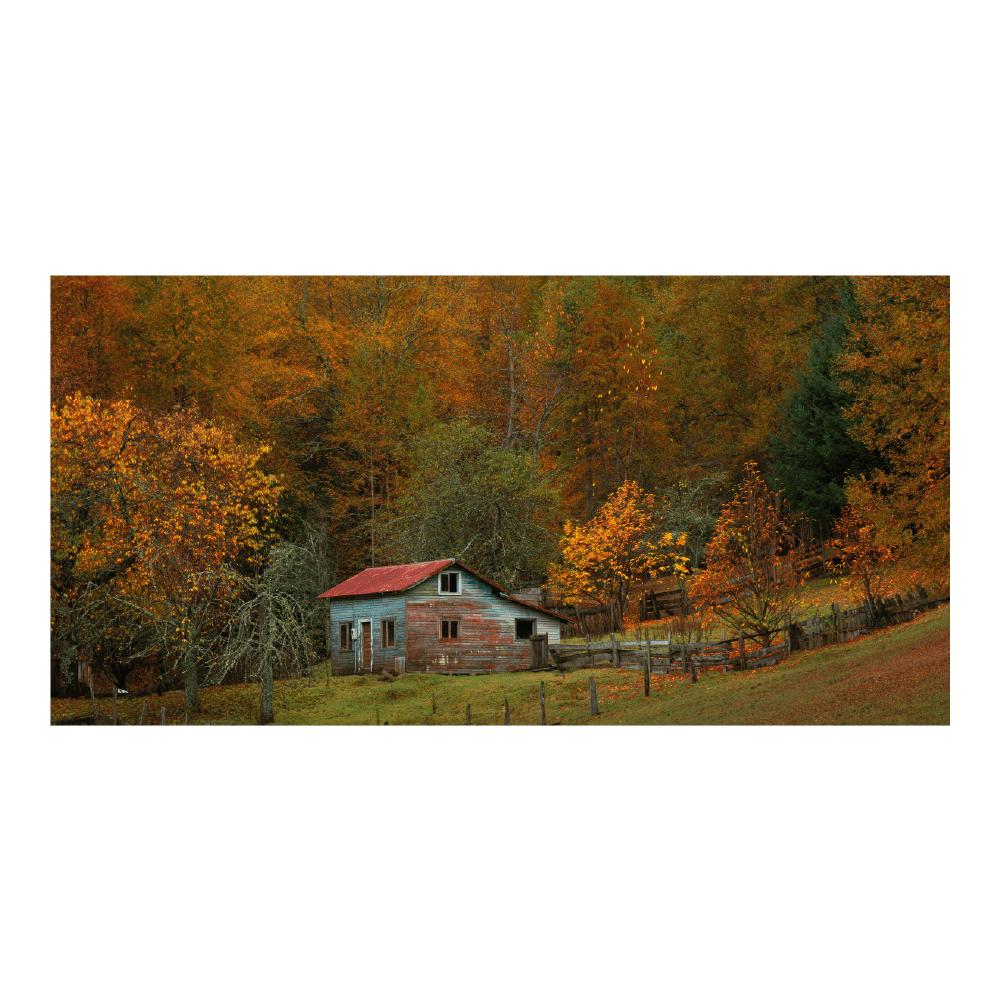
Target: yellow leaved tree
point(148, 514)
point(616, 548)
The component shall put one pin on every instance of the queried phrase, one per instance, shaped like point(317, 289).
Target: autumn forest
point(226, 448)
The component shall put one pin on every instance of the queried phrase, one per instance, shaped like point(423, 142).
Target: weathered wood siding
point(376, 608)
point(486, 640)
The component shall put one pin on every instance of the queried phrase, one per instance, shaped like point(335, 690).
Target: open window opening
point(524, 629)
point(449, 629)
point(449, 583)
point(388, 633)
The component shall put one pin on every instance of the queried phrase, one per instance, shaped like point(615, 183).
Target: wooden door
point(366, 644)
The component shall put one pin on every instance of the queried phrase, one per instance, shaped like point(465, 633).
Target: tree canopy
point(201, 422)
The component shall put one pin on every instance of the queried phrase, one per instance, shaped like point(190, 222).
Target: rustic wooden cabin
point(440, 617)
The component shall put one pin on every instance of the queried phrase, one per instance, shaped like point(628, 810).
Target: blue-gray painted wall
point(356, 609)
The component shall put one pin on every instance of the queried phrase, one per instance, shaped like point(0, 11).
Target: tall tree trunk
point(371, 470)
point(267, 692)
point(267, 668)
point(191, 687)
point(510, 361)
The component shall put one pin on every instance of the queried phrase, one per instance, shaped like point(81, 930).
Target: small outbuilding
point(440, 617)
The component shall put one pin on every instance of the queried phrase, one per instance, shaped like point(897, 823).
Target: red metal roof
point(385, 580)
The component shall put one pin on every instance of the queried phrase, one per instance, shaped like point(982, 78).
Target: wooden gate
point(540, 651)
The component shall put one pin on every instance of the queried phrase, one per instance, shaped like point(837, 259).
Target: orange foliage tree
point(738, 340)
point(88, 314)
point(146, 511)
point(866, 562)
point(896, 362)
point(603, 558)
point(751, 578)
point(612, 415)
point(381, 357)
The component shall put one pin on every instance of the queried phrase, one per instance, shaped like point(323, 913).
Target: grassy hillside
point(899, 675)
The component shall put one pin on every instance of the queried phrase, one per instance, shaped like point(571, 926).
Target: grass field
point(897, 676)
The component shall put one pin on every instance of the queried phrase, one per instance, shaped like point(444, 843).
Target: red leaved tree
point(751, 577)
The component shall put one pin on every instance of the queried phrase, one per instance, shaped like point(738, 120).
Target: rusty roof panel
point(385, 580)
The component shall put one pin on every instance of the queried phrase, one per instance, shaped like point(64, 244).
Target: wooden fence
point(842, 625)
point(673, 603)
point(585, 620)
point(661, 656)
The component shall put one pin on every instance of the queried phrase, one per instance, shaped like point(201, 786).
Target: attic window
point(449, 583)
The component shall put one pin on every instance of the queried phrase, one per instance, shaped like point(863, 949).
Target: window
point(388, 633)
point(449, 629)
point(346, 642)
point(524, 629)
point(449, 583)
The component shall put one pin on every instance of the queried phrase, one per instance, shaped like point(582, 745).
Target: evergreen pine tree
point(812, 453)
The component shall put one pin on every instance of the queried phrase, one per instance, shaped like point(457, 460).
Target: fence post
point(590, 656)
point(163, 716)
point(185, 719)
point(507, 713)
point(469, 722)
point(836, 618)
point(229, 722)
point(649, 653)
point(142, 715)
point(646, 671)
point(542, 701)
point(593, 692)
point(615, 652)
point(743, 655)
point(114, 698)
point(788, 635)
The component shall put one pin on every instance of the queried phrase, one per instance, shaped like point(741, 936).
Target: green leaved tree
point(812, 453)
